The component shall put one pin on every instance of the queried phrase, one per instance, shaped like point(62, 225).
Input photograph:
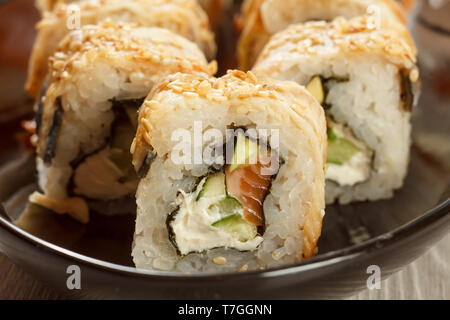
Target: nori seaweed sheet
point(406, 94)
point(52, 139)
point(39, 109)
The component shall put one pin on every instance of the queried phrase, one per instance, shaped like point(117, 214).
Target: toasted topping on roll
point(355, 36)
point(185, 18)
point(260, 19)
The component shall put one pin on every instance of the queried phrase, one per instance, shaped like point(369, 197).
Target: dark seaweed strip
point(127, 103)
point(52, 138)
point(81, 157)
point(406, 94)
point(40, 107)
point(172, 236)
point(119, 105)
point(143, 170)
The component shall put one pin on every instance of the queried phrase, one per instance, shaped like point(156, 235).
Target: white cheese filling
point(358, 168)
point(98, 178)
point(193, 230)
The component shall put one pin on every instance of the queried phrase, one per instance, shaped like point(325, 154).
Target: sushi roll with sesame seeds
point(87, 119)
point(260, 19)
point(367, 81)
point(232, 174)
point(184, 17)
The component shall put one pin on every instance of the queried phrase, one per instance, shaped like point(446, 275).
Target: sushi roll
point(232, 174)
point(184, 17)
point(260, 19)
point(87, 119)
point(367, 81)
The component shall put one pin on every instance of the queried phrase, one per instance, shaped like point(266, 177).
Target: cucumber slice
point(340, 150)
point(243, 151)
point(315, 87)
point(237, 227)
point(214, 186)
point(229, 205)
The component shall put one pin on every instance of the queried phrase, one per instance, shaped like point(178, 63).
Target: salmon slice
point(250, 186)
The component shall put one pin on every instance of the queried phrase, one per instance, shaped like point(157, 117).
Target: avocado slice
point(214, 186)
point(243, 151)
point(316, 88)
point(238, 227)
point(340, 150)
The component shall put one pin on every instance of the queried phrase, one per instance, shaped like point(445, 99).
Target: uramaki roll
point(228, 214)
point(261, 19)
point(184, 17)
point(88, 117)
point(367, 81)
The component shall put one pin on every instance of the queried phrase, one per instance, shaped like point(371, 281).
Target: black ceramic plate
point(389, 234)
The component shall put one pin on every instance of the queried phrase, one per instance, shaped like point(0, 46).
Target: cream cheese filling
point(193, 229)
point(358, 168)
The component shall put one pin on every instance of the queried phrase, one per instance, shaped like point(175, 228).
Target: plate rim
point(438, 214)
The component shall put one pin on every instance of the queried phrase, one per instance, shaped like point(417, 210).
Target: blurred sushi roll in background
point(256, 200)
point(366, 78)
point(260, 19)
point(98, 78)
point(184, 17)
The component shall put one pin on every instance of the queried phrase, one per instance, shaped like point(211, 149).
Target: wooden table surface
point(426, 278)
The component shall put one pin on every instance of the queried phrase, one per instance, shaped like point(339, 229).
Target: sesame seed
point(146, 123)
point(190, 94)
point(220, 261)
point(243, 268)
point(147, 138)
point(414, 75)
point(58, 64)
point(133, 146)
point(65, 75)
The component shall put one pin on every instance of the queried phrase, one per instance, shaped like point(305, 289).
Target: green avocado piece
point(243, 151)
point(238, 227)
point(315, 87)
point(340, 150)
